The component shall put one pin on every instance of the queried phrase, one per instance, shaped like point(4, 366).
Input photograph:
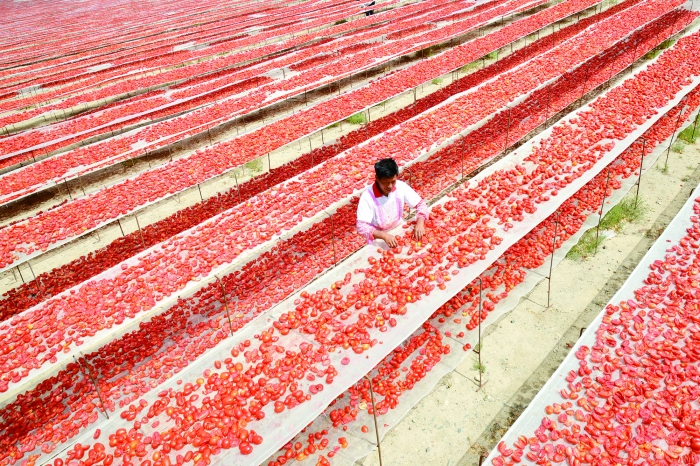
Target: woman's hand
point(390, 240)
point(419, 230)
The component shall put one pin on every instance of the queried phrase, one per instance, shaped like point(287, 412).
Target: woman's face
point(385, 185)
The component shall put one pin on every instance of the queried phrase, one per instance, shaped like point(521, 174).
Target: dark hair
point(386, 168)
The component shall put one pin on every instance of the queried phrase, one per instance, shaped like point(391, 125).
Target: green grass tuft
point(585, 247)
point(357, 119)
point(667, 43)
point(254, 165)
point(340, 21)
point(479, 367)
point(470, 66)
point(678, 147)
point(490, 56)
point(687, 135)
point(436, 81)
point(624, 212)
point(655, 53)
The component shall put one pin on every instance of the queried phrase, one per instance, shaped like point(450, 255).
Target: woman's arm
point(414, 200)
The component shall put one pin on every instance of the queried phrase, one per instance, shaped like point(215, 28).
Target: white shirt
point(390, 207)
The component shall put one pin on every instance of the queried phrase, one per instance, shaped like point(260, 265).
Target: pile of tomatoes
point(422, 174)
point(346, 317)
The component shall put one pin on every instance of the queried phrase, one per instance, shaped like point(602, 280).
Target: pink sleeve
point(422, 209)
point(366, 230)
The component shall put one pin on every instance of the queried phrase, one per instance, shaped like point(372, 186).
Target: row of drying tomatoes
point(161, 272)
point(313, 310)
point(101, 40)
point(177, 175)
point(229, 35)
point(383, 387)
point(219, 86)
point(31, 434)
point(109, 152)
point(52, 283)
point(632, 397)
point(270, 376)
point(129, 72)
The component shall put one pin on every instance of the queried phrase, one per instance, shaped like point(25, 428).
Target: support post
point(82, 188)
point(335, 258)
point(585, 81)
point(481, 383)
point(143, 243)
point(695, 126)
point(678, 122)
point(641, 167)
point(374, 415)
point(462, 159)
point(41, 292)
point(600, 217)
point(20, 274)
point(68, 189)
point(235, 176)
point(88, 373)
point(507, 129)
point(228, 312)
point(551, 260)
point(119, 222)
point(634, 54)
point(201, 198)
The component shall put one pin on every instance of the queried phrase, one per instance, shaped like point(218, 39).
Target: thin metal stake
point(237, 186)
point(551, 261)
point(462, 158)
point(143, 243)
point(335, 259)
point(678, 122)
point(602, 206)
point(20, 274)
point(695, 125)
point(82, 188)
point(634, 54)
point(201, 198)
point(507, 129)
point(68, 189)
point(585, 81)
point(481, 385)
point(119, 221)
point(641, 166)
point(36, 280)
point(94, 383)
point(374, 415)
point(228, 312)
